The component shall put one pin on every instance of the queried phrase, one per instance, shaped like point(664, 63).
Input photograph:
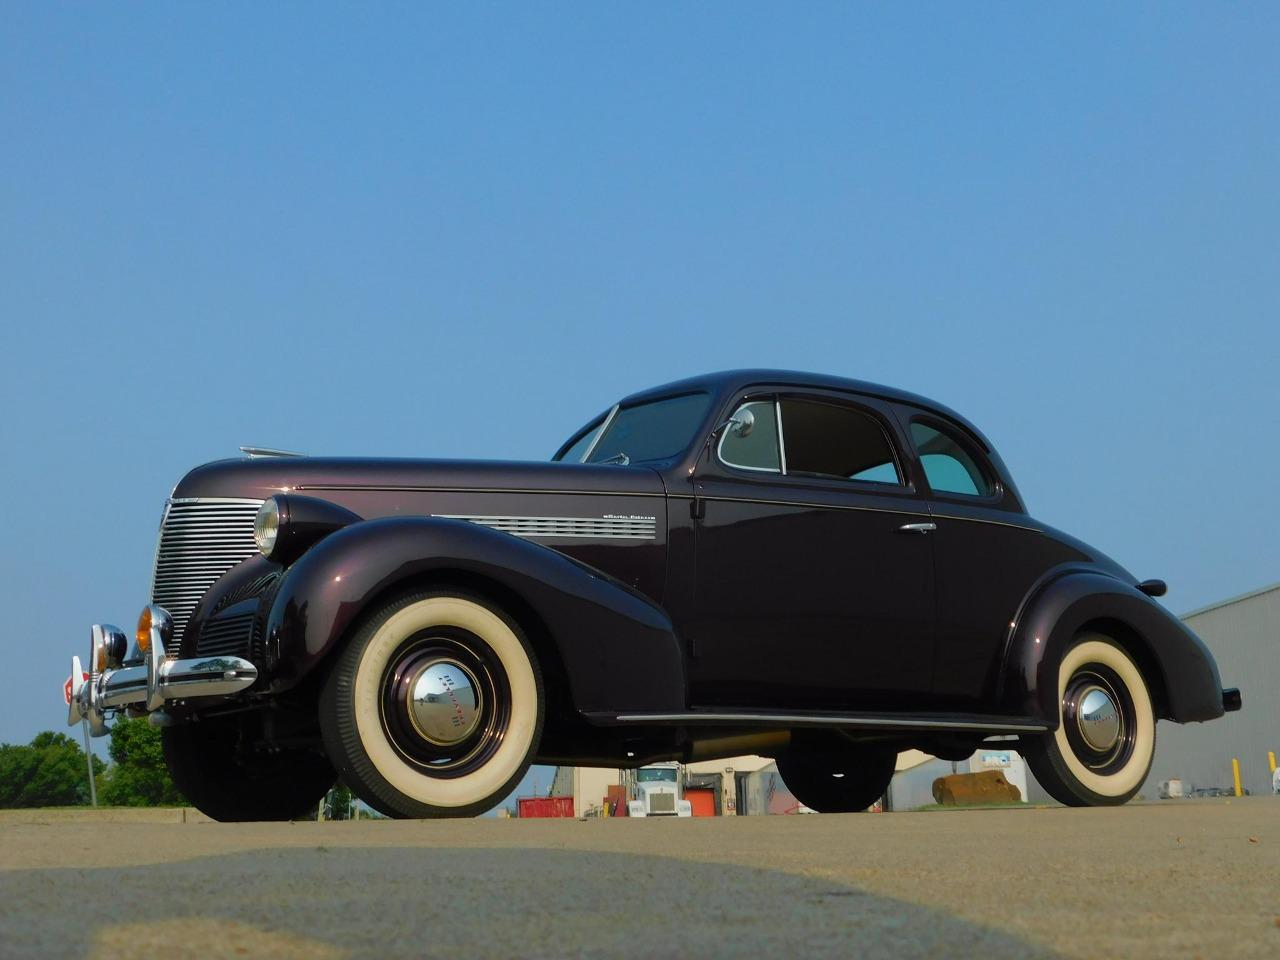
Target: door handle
point(918, 528)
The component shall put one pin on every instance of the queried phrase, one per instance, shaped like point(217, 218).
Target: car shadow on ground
point(333, 902)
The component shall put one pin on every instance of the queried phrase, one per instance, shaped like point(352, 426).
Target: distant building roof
point(1226, 603)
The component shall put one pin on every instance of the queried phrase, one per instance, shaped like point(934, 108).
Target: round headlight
point(266, 526)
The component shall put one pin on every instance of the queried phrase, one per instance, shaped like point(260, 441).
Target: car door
point(813, 569)
point(987, 552)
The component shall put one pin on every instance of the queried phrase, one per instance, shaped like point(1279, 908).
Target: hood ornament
point(259, 453)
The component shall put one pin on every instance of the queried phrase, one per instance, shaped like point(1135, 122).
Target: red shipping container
point(544, 807)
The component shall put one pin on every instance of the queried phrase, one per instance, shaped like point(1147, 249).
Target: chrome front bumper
point(148, 685)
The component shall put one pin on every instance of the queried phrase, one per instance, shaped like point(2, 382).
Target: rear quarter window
point(948, 464)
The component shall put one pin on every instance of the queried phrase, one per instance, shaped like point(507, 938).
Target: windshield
point(655, 430)
point(667, 775)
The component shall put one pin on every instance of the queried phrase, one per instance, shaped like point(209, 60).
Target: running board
point(758, 718)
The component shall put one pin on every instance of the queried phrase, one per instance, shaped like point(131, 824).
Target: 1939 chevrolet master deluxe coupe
point(816, 569)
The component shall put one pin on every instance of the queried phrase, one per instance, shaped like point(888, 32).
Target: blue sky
point(460, 230)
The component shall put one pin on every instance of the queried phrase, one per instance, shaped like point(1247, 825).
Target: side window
point(947, 464)
point(580, 446)
point(753, 447)
point(829, 440)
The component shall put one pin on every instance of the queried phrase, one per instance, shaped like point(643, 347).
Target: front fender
point(619, 648)
point(1060, 609)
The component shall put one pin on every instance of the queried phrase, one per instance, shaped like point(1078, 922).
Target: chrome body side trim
point(419, 488)
point(607, 527)
point(922, 510)
point(975, 723)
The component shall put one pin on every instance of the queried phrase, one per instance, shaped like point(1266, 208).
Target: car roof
point(731, 381)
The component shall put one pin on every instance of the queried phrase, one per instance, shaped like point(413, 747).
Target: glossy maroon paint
point(758, 592)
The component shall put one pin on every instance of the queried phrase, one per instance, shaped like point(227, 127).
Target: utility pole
point(88, 758)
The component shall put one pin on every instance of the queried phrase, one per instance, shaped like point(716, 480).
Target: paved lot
point(1177, 879)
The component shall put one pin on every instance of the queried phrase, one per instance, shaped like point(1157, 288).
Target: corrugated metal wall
point(1244, 636)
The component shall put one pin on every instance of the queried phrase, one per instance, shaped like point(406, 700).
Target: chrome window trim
point(586, 457)
point(872, 415)
point(724, 435)
point(782, 441)
point(960, 437)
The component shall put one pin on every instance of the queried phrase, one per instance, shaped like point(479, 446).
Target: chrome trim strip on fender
point(606, 527)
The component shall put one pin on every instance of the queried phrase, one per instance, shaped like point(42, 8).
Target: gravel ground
point(1175, 879)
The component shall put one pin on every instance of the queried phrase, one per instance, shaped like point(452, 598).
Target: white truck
point(656, 791)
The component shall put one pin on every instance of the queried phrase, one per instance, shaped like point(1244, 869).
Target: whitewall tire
point(435, 707)
point(1101, 752)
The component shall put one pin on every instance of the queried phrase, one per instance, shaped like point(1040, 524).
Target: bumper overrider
point(146, 680)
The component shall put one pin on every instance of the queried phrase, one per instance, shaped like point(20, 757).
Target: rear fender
point(619, 649)
point(1186, 676)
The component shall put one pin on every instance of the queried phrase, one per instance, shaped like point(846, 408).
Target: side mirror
point(742, 423)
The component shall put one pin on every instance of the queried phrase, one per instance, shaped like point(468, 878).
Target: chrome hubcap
point(1098, 719)
point(444, 702)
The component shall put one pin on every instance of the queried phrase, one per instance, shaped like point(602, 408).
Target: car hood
point(260, 478)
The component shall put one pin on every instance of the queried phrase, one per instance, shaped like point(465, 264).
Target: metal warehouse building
point(1244, 635)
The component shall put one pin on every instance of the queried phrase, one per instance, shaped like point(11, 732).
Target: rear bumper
point(1231, 699)
point(148, 685)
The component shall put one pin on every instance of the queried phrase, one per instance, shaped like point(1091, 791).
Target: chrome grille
point(619, 528)
point(200, 540)
point(229, 636)
point(662, 803)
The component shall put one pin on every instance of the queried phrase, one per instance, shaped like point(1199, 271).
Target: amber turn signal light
point(143, 635)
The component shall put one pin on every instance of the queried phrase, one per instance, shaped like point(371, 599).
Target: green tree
point(49, 772)
point(138, 776)
point(339, 803)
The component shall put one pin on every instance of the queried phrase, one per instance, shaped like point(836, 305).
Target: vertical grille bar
point(200, 540)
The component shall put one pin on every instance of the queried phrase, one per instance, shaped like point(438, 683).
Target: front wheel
point(834, 776)
point(1106, 737)
point(435, 707)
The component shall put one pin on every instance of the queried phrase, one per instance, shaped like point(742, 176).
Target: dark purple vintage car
point(816, 569)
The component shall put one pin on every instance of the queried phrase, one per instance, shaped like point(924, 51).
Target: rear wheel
point(230, 781)
point(435, 707)
point(1106, 738)
point(831, 775)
